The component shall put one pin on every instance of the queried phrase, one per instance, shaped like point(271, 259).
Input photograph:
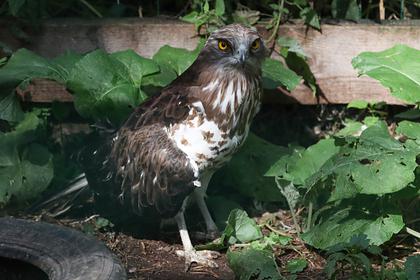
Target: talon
point(203, 258)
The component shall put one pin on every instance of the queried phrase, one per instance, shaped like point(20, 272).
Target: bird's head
point(235, 47)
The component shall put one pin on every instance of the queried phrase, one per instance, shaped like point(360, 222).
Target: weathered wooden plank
point(330, 52)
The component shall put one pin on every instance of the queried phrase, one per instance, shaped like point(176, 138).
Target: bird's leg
point(189, 253)
point(212, 230)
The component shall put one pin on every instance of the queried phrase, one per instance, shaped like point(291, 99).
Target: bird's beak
point(242, 54)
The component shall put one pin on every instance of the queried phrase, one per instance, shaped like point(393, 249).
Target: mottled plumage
point(171, 145)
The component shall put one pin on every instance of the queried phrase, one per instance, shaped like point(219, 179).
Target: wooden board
point(330, 52)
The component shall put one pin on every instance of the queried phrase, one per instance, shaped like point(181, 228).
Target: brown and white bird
point(170, 146)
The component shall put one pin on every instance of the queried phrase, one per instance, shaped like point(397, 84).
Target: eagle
point(166, 152)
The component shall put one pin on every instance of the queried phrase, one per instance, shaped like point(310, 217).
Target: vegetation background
point(347, 178)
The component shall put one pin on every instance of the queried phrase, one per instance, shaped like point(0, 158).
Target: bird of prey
point(168, 149)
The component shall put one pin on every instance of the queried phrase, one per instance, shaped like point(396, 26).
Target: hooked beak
point(242, 54)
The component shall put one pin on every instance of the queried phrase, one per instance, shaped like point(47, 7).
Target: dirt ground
point(157, 259)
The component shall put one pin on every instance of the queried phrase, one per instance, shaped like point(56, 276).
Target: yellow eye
point(223, 45)
point(256, 44)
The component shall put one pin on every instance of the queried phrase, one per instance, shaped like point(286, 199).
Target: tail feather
point(61, 202)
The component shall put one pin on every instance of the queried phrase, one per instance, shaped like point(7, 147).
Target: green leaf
point(346, 9)
point(395, 68)
point(25, 167)
point(412, 114)
point(373, 164)
point(25, 65)
point(220, 7)
point(253, 264)
point(206, 6)
point(268, 242)
point(103, 88)
point(296, 265)
point(412, 267)
point(344, 224)
point(291, 45)
point(311, 160)
point(310, 17)
point(15, 6)
point(64, 65)
point(275, 75)
point(245, 172)
point(358, 104)
point(241, 228)
point(10, 109)
point(175, 58)
point(136, 65)
point(409, 129)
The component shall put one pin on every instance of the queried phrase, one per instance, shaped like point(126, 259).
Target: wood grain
point(329, 52)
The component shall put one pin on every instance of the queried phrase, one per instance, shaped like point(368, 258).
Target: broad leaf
point(300, 165)
point(396, 69)
point(136, 65)
point(10, 109)
point(240, 228)
point(25, 167)
point(103, 88)
point(412, 267)
point(253, 264)
point(373, 164)
point(409, 129)
point(358, 104)
point(276, 75)
point(15, 6)
point(342, 225)
point(346, 9)
point(175, 58)
point(246, 169)
point(296, 265)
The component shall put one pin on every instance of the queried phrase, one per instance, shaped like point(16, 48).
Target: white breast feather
point(189, 138)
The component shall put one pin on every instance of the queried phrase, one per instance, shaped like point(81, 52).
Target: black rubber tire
point(62, 253)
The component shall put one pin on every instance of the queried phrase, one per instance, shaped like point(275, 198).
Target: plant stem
point(292, 210)
point(276, 27)
point(413, 232)
point(309, 220)
point(90, 7)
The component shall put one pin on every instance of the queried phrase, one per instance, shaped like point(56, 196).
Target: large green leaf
point(10, 109)
point(137, 66)
point(412, 267)
point(346, 9)
point(240, 228)
point(341, 225)
point(373, 164)
point(25, 167)
point(276, 75)
point(175, 58)
point(396, 68)
point(15, 6)
point(311, 160)
point(245, 172)
point(103, 88)
point(23, 66)
point(253, 264)
point(409, 129)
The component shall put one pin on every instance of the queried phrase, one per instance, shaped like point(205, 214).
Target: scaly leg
point(189, 253)
point(212, 229)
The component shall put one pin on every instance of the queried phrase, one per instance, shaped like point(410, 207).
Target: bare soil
point(157, 259)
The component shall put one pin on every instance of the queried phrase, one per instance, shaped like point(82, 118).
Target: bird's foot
point(202, 258)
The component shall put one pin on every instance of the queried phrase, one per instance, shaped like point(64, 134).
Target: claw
point(203, 258)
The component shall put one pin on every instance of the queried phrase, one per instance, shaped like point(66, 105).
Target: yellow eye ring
point(256, 44)
point(223, 45)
